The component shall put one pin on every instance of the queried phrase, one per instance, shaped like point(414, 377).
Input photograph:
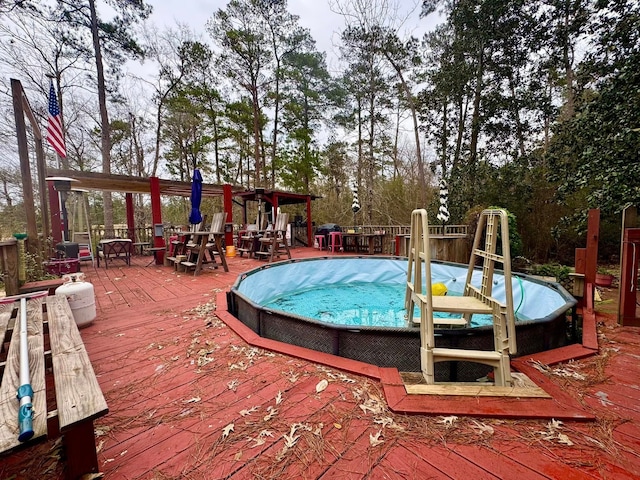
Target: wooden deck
point(190, 398)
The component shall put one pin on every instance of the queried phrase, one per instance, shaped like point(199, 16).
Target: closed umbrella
point(355, 206)
point(196, 198)
point(443, 211)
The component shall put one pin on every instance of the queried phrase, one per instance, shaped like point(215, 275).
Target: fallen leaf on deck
point(604, 399)
point(322, 384)
point(279, 398)
point(448, 421)
point(272, 413)
point(562, 438)
point(227, 430)
point(481, 428)
point(291, 439)
point(256, 442)
point(374, 440)
point(246, 412)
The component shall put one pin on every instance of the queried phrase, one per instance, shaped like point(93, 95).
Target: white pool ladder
point(475, 300)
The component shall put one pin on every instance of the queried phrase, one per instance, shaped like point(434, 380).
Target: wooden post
point(227, 201)
point(309, 226)
point(628, 278)
point(56, 219)
point(25, 169)
point(9, 265)
point(156, 215)
point(130, 221)
point(629, 220)
point(593, 235)
point(42, 189)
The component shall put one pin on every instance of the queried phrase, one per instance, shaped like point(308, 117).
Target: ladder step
point(444, 354)
point(456, 304)
point(444, 321)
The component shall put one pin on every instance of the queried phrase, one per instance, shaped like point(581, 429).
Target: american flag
point(55, 135)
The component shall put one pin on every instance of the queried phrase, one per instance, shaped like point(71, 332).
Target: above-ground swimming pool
point(354, 307)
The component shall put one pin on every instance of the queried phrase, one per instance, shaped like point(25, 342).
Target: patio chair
point(248, 238)
point(475, 299)
point(114, 249)
point(85, 249)
point(207, 242)
point(185, 242)
point(274, 242)
point(214, 245)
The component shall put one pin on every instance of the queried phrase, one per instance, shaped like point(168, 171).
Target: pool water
point(356, 304)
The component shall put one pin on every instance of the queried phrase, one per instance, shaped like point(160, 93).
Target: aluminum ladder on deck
point(475, 300)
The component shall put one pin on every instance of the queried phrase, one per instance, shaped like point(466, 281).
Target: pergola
point(157, 187)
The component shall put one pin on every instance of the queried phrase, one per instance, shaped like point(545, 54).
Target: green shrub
point(560, 272)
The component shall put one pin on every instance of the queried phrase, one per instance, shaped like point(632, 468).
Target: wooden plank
point(78, 393)
point(477, 391)
point(557, 355)
point(10, 379)
point(48, 285)
point(5, 316)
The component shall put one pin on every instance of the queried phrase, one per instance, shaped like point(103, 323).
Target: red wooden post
point(130, 221)
point(156, 215)
point(227, 200)
point(628, 278)
point(309, 226)
point(593, 234)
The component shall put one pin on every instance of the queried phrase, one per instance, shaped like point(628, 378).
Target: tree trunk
point(475, 126)
point(105, 134)
point(256, 135)
point(516, 116)
point(416, 130)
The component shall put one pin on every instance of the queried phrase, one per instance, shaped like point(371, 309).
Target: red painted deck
point(190, 398)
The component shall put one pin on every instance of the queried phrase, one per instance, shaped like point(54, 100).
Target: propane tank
point(80, 297)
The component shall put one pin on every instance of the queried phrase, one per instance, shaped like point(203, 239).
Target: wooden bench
point(78, 397)
point(49, 285)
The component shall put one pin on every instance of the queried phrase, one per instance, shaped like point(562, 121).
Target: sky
point(316, 15)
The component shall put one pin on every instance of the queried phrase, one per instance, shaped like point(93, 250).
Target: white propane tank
point(80, 297)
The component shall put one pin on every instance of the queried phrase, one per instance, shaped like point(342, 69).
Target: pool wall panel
point(398, 347)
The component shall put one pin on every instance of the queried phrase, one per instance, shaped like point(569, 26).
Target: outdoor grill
point(326, 229)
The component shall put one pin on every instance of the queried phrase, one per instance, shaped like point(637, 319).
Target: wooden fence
point(145, 234)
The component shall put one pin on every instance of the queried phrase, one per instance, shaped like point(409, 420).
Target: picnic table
point(369, 243)
point(79, 399)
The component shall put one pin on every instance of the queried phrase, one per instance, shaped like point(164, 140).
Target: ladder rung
point(444, 321)
point(445, 354)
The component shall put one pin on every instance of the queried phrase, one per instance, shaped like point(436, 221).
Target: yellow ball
point(439, 289)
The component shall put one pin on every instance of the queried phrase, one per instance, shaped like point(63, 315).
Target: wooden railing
point(145, 234)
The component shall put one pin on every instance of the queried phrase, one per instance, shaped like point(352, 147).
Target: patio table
point(368, 243)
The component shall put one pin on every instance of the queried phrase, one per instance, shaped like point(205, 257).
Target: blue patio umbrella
point(196, 198)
